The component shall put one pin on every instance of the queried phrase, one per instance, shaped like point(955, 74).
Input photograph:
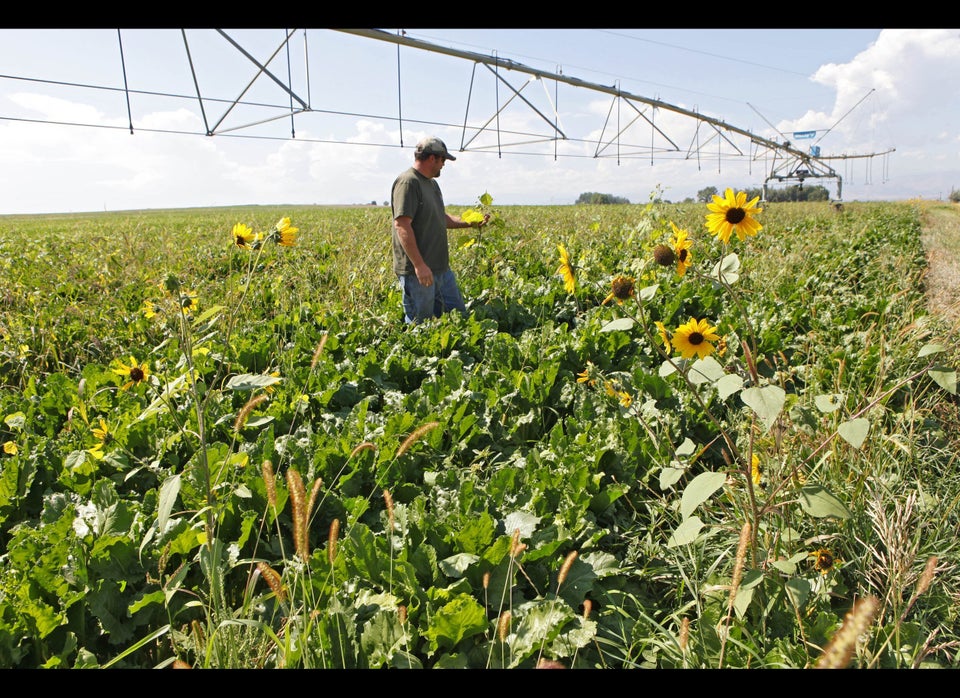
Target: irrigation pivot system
point(510, 108)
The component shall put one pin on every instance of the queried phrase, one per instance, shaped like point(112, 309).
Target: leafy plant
point(702, 452)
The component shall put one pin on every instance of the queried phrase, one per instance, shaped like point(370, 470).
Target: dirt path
point(941, 240)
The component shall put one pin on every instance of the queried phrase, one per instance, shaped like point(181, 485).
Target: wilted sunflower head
point(621, 289)
point(664, 255)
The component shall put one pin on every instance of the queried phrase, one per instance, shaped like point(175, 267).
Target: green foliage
point(795, 192)
point(301, 480)
point(705, 195)
point(591, 197)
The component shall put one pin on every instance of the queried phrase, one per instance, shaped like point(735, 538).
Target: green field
point(230, 456)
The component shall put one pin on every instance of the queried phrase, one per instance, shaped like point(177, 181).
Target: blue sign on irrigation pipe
point(804, 134)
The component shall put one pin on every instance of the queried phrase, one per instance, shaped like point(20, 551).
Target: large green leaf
point(669, 477)
point(700, 489)
point(705, 370)
point(686, 532)
point(623, 323)
point(460, 618)
point(169, 491)
point(727, 269)
point(820, 503)
point(854, 431)
point(766, 401)
point(945, 378)
point(928, 349)
point(728, 385)
point(250, 381)
point(828, 403)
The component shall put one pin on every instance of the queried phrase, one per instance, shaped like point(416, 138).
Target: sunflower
point(102, 432)
point(283, 233)
point(621, 290)
point(663, 335)
point(137, 373)
point(189, 302)
point(149, 308)
point(681, 249)
point(755, 474)
point(823, 560)
point(733, 214)
point(589, 374)
point(566, 270)
point(694, 337)
point(243, 236)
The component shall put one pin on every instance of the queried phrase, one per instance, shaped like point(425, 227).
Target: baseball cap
point(434, 146)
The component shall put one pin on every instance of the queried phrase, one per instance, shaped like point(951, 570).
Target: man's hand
point(424, 275)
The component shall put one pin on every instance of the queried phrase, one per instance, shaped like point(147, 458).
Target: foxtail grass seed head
point(314, 493)
point(515, 543)
point(180, 664)
point(272, 578)
point(927, 577)
point(416, 436)
point(318, 351)
point(565, 568)
point(839, 651)
point(297, 498)
point(587, 608)
point(198, 633)
point(365, 446)
point(550, 664)
point(270, 480)
point(402, 613)
point(332, 540)
point(486, 580)
point(245, 411)
point(503, 626)
point(738, 563)
point(684, 633)
point(388, 501)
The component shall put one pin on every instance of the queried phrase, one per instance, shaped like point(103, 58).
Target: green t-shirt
point(419, 197)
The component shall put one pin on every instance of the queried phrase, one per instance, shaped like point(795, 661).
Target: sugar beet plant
point(716, 439)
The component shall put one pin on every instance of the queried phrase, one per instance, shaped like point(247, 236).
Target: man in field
point(421, 253)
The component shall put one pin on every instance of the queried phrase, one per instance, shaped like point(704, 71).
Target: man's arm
point(403, 226)
point(457, 222)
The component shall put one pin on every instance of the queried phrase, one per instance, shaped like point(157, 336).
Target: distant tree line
point(592, 197)
point(796, 192)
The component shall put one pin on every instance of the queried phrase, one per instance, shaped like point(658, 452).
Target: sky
point(99, 119)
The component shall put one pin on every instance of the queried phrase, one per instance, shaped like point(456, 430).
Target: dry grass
point(941, 240)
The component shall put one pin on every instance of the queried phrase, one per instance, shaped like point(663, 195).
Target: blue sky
point(862, 91)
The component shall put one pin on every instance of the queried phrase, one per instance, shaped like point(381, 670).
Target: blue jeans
point(421, 302)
